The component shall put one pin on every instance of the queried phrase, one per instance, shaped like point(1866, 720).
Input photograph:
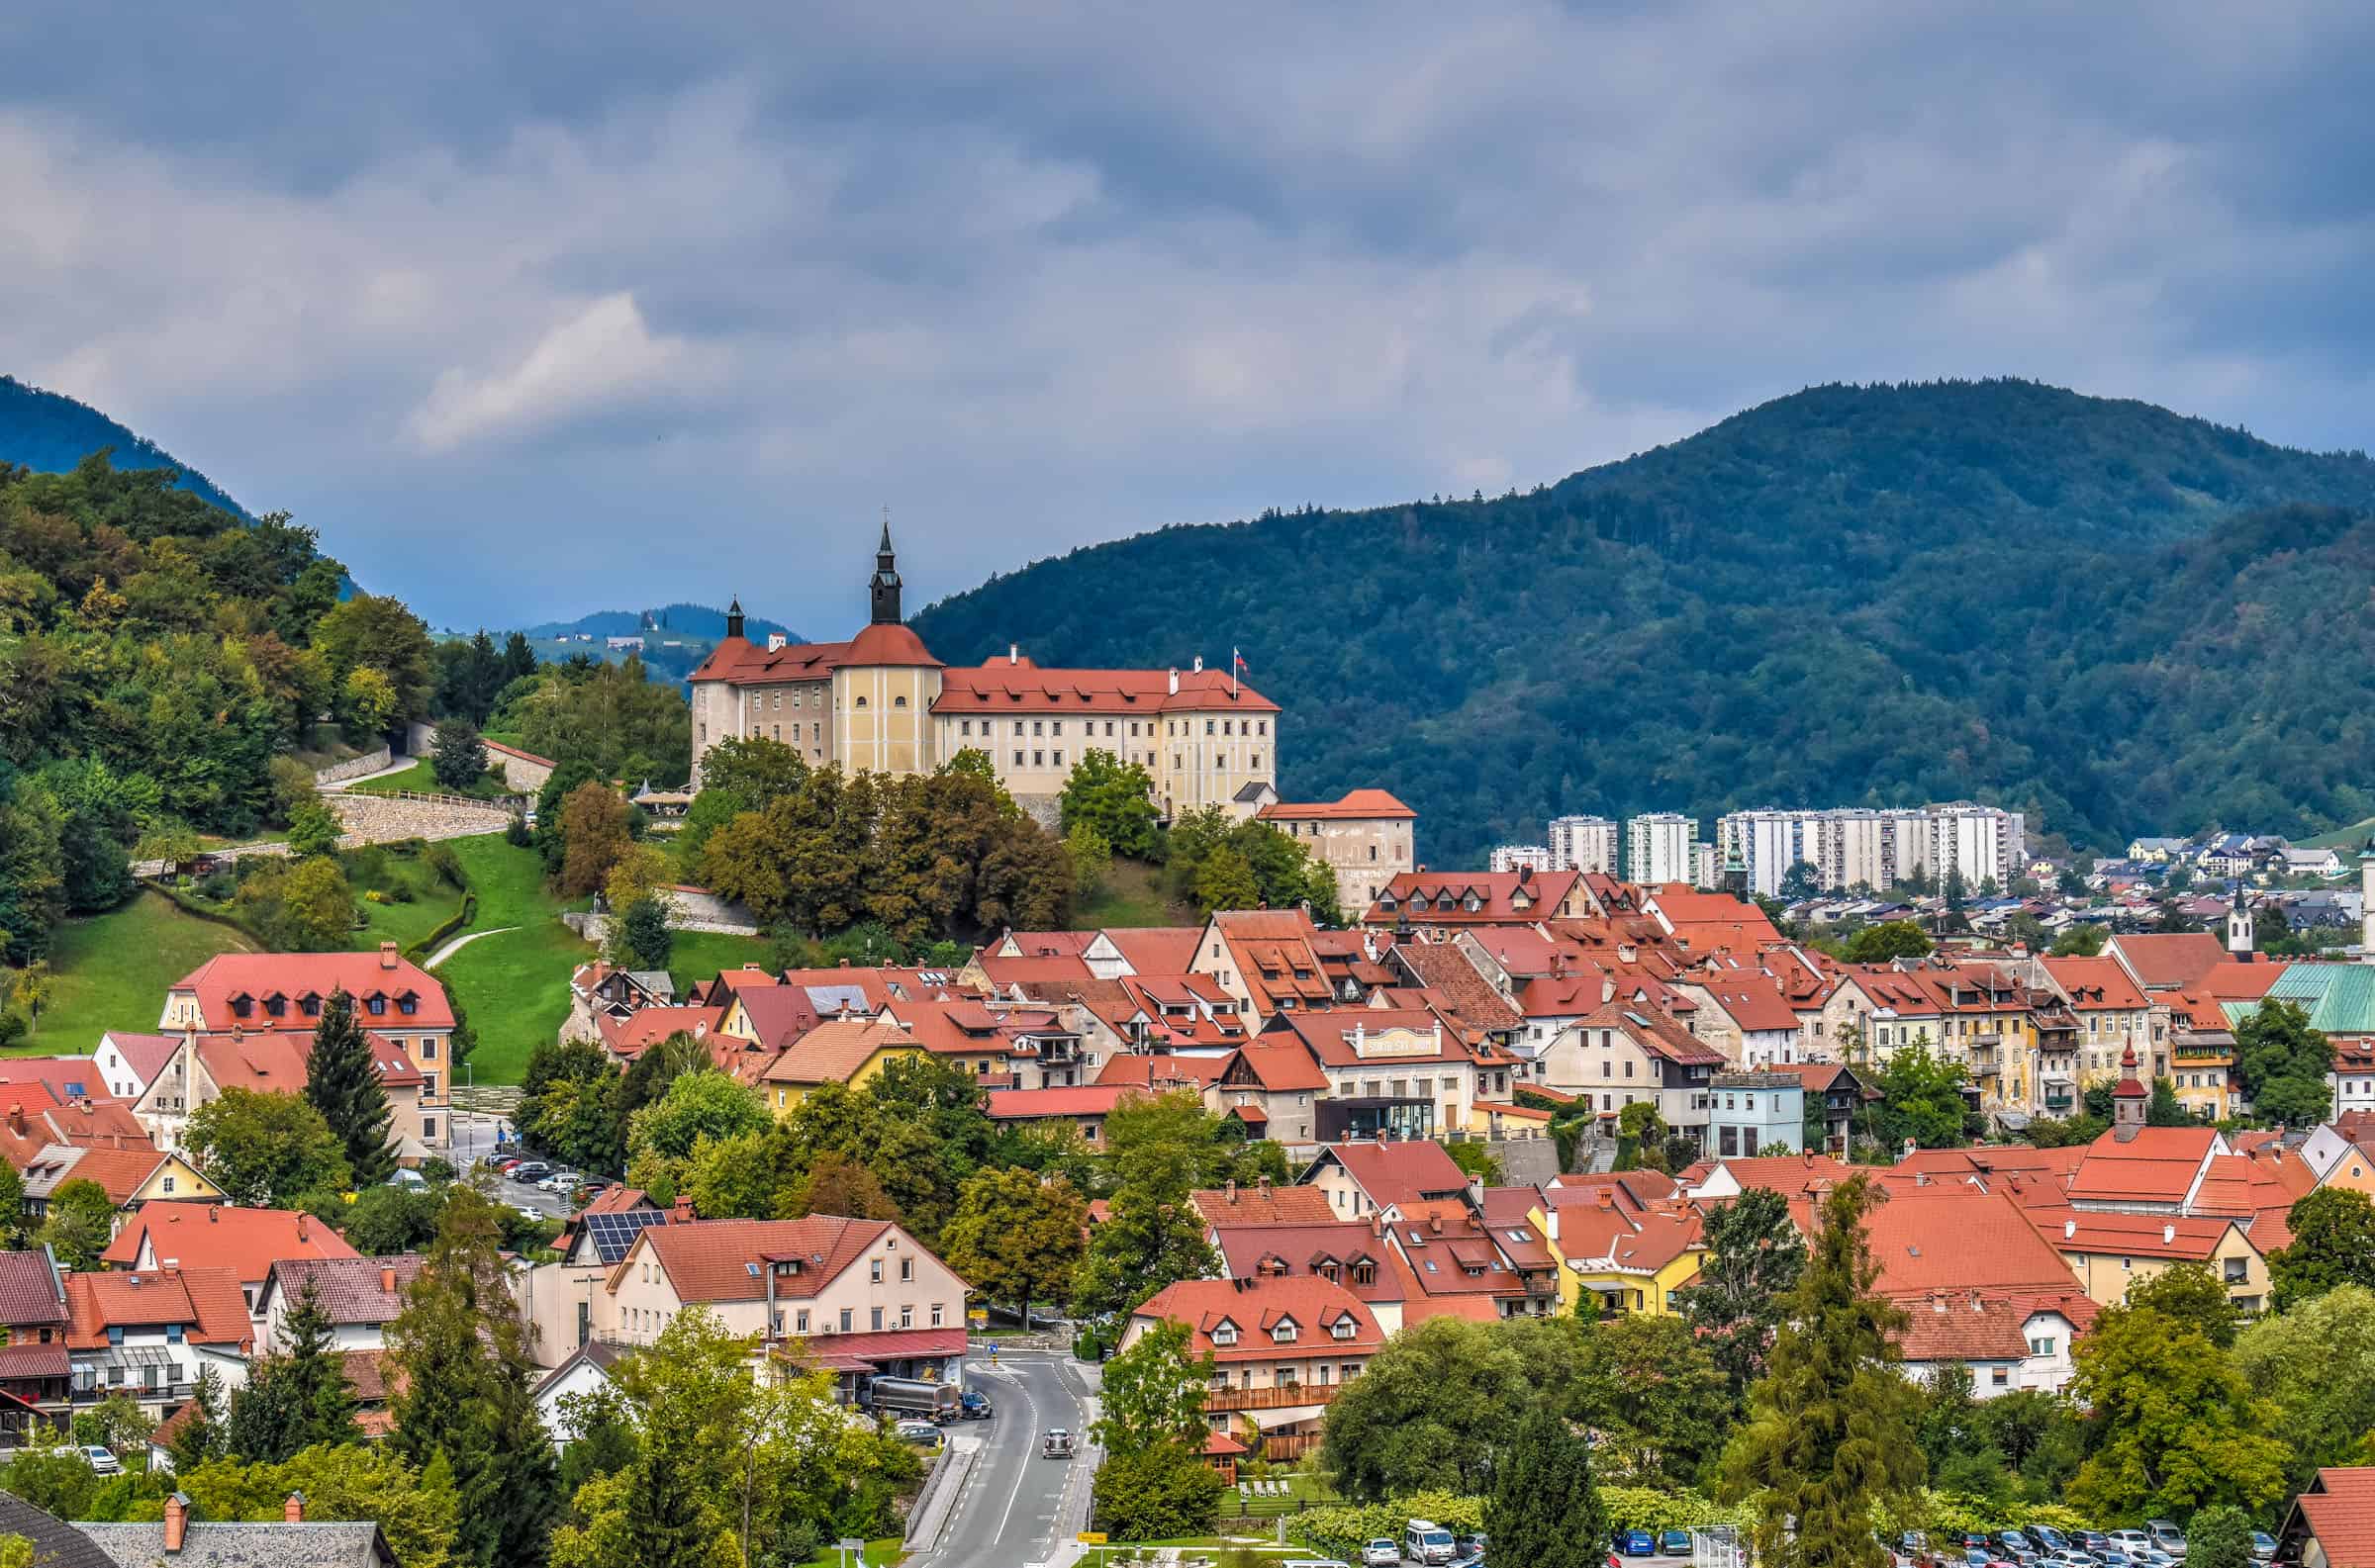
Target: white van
point(1425, 1541)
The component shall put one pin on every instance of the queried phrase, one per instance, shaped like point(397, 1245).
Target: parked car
point(2263, 1546)
point(1471, 1543)
point(2051, 1539)
point(1675, 1543)
point(526, 1213)
point(529, 1171)
point(1380, 1553)
point(2014, 1540)
point(559, 1181)
point(923, 1431)
point(101, 1459)
point(1635, 1543)
point(1972, 1541)
point(2089, 1540)
point(1056, 1443)
point(1425, 1541)
point(2168, 1536)
point(2129, 1539)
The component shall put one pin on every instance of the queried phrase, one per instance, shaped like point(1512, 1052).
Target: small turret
point(2130, 1099)
point(885, 584)
point(733, 618)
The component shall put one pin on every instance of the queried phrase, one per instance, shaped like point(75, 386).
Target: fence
point(510, 804)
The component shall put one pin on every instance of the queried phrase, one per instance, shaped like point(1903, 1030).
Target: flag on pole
point(1236, 670)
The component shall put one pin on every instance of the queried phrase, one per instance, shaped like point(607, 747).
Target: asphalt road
point(474, 1143)
point(1018, 1509)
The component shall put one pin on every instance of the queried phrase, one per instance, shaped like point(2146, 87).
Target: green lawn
point(112, 970)
point(399, 919)
point(422, 778)
point(878, 1555)
point(698, 955)
point(2350, 841)
point(514, 985)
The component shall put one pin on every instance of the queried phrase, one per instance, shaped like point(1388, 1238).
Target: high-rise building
point(1879, 849)
point(1583, 844)
point(1706, 867)
point(1658, 847)
point(1980, 842)
point(1522, 856)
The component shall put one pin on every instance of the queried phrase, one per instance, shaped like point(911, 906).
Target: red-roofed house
point(1281, 1346)
point(1084, 1105)
point(1397, 1072)
point(2114, 1014)
point(1436, 904)
point(1238, 1207)
point(2006, 1343)
point(1362, 1177)
point(2111, 1253)
point(862, 1296)
point(1265, 960)
point(395, 999)
point(243, 1243)
point(1364, 838)
point(147, 1333)
point(2166, 961)
point(2332, 1523)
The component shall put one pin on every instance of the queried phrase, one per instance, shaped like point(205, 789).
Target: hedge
point(206, 911)
point(419, 951)
point(1340, 1530)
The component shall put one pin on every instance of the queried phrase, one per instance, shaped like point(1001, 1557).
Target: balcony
point(1289, 1397)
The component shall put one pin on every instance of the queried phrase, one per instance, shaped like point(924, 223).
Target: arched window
point(899, 701)
point(861, 703)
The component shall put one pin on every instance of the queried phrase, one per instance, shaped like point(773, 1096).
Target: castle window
point(1019, 758)
point(1108, 727)
point(1254, 760)
point(861, 703)
point(1207, 727)
point(964, 726)
point(1059, 757)
point(1037, 728)
point(1038, 759)
point(1264, 729)
point(899, 701)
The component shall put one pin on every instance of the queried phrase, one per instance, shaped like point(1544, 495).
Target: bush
point(1339, 1532)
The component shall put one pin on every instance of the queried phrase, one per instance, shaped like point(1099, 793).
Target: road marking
point(1022, 1472)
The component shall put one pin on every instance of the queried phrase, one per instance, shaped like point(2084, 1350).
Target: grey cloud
point(531, 315)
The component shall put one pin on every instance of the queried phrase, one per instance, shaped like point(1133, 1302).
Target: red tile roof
point(2169, 960)
point(1502, 897)
point(1080, 1099)
point(2339, 1506)
point(208, 1300)
point(68, 1078)
point(146, 1055)
point(1022, 686)
point(1396, 1172)
point(1281, 1061)
point(1301, 1250)
point(778, 1014)
point(275, 1063)
point(120, 1173)
point(1975, 1326)
point(2182, 1238)
point(2158, 1164)
point(1238, 1207)
point(204, 1235)
point(362, 976)
point(1158, 949)
point(1958, 1238)
point(833, 1052)
point(639, 1031)
point(1257, 1308)
point(30, 1295)
point(1754, 1007)
point(2095, 983)
point(1354, 805)
point(865, 1351)
point(707, 1259)
point(352, 1290)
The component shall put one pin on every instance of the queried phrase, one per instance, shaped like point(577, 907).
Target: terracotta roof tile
point(708, 1260)
point(1022, 686)
point(30, 1295)
point(1257, 1308)
point(208, 1300)
point(1352, 806)
point(1397, 1173)
point(1240, 1207)
point(362, 976)
point(834, 1053)
point(2339, 1506)
point(352, 1290)
point(245, 1242)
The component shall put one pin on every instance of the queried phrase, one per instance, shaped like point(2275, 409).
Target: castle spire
point(733, 618)
point(885, 585)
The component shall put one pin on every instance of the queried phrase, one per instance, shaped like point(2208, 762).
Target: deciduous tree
point(2281, 1063)
point(1115, 800)
point(1434, 1409)
point(456, 755)
point(79, 1225)
point(1015, 1236)
point(2190, 1294)
point(594, 835)
point(264, 1150)
point(2174, 1425)
point(2333, 1244)
point(2316, 1366)
point(1887, 940)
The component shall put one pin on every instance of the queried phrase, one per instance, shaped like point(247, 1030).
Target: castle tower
point(2366, 903)
point(2238, 925)
point(733, 618)
point(2129, 1100)
point(885, 584)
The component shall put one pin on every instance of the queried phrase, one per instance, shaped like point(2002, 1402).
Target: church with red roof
point(884, 702)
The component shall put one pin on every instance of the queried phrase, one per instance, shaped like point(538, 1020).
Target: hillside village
point(1397, 1117)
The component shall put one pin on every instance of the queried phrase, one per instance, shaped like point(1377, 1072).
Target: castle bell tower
point(885, 584)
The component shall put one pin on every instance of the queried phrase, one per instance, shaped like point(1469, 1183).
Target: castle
point(881, 703)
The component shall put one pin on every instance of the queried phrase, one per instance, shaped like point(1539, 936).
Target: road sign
point(1092, 1537)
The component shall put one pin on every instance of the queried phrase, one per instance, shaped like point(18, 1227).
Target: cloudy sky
point(539, 309)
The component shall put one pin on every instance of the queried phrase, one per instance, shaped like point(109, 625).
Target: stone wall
point(522, 771)
point(688, 909)
point(370, 762)
point(382, 819)
point(418, 738)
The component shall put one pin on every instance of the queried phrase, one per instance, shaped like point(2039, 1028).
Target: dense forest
point(49, 433)
point(2115, 616)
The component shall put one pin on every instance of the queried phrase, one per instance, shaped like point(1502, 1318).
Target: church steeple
point(886, 578)
point(733, 618)
point(2239, 924)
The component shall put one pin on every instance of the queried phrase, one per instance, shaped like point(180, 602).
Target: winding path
point(461, 941)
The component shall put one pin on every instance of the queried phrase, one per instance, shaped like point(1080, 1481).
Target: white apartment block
point(1706, 867)
point(1660, 848)
point(1583, 844)
point(1522, 856)
point(1879, 849)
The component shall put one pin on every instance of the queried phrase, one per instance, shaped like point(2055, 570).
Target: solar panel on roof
point(613, 1234)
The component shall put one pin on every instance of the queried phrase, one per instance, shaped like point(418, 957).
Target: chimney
point(292, 1512)
point(681, 1212)
point(1976, 1304)
point(1263, 1182)
point(16, 1116)
point(170, 1264)
point(387, 954)
point(387, 1281)
point(1475, 1193)
point(1200, 664)
point(177, 1523)
point(2069, 1229)
point(1174, 680)
point(1013, 653)
point(2169, 1235)
point(303, 1224)
point(213, 1214)
point(1232, 1190)
point(775, 641)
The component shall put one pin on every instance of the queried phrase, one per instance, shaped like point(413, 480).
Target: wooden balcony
point(1289, 1397)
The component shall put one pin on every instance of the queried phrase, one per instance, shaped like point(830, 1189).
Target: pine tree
point(1545, 1509)
point(1831, 1428)
point(199, 1438)
point(342, 1082)
point(463, 1352)
point(297, 1397)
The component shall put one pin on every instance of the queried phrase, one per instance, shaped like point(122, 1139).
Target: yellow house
point(1631, 1262)
point(2111, 1254)
point(847, 1051)
point(129, 1177)
point(2354, 1171)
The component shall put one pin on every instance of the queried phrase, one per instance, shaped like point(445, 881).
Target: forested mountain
point(704, 621)
point(49, 433)
point(2115, 616)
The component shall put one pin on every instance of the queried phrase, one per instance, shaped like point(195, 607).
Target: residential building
point(213, 1236)
point(862, 1296)
point(1281, 1348)
point(850, 1052)
point(145, 1333)
point(1512, 856)
point(2007, 1344)
point(2332, 1523)
point(394, 1000)
point(35, 1377)
point(132, 1177)
point(1583, 844)
point(1361, 1178)
point(1082, 1106)
point(1437, 904)
point(2114, 1015)
point(1622, 1255)
point(2113, 1252)
point(1661, 847)
point(1755, 1113)
point(585, 1372)
point(1364, 838)
point(881, 703)
point(1264, 960)
point(360, 1295)
point(183, 1540)
point(1835, 1086)
point(1397, 1072)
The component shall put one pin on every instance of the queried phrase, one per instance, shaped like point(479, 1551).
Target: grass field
point(878, 1555)
point(423, 779)
point(698, 955)
point(2349, 840)
point(401, 920)
point(1131, 897)
point(516, 983)
point(112, 971)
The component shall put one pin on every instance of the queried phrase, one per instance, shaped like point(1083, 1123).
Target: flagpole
point(1236, 663)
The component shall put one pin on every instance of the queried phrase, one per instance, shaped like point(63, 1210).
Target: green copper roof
point(2341, 997)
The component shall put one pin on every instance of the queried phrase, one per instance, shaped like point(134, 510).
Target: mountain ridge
point(1853, 595)
point(51, 433)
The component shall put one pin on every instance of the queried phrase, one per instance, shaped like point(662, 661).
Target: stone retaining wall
point(369, 761)
point(382, 819)
point(523, 773)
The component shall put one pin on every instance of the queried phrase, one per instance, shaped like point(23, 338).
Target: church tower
point(733, 618)
point(2129, 1100)
point(886, 580)
point(2238, 925)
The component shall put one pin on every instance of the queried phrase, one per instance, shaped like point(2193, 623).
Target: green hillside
point(49, 433)
point(2118, 617)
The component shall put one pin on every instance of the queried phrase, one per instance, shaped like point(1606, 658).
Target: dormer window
point(376, 1004)
point(276, 1004)
point(408, 1004)
point(1365, 1272)
point(1344, 1327)
point(242, 1005)
point(1283, 1333)
point(1225, 1335)
point(310, 1004)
